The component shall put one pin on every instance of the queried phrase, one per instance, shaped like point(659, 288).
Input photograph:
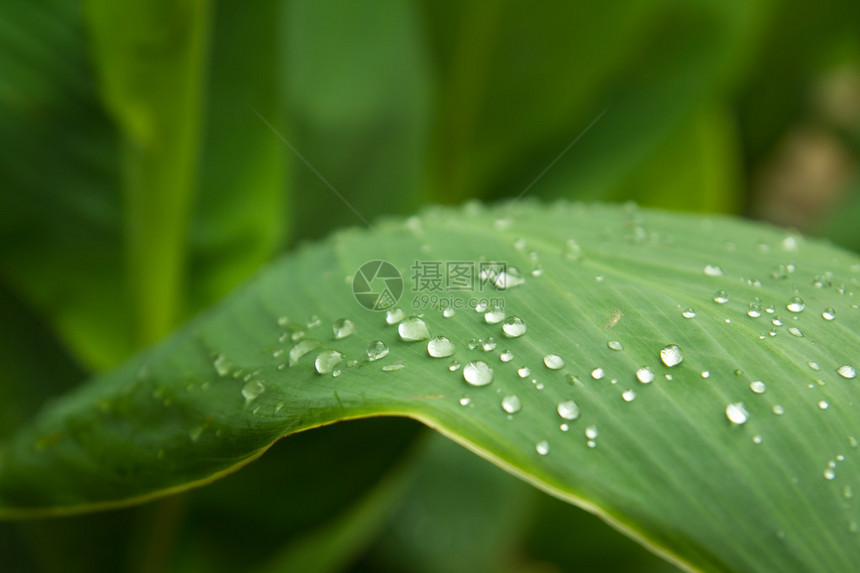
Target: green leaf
point(668, 467)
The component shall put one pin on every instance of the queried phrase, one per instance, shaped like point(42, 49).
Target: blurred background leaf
point(740, 107)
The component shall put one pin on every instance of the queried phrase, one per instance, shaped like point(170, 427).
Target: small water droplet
point(713, 271)
point(564, 427)
point(448, 312)
point(736, 413)
point(495, 315)
point(300, 349)
point(688, 313)
point(488, 344)
point(222, 365)
point(514, 327)
point(614, 345)
point(297, 335)
point(706, 374)
point(795, 304)
point(523, 371)
point(828, 314)
point(413, 329)
point(343, 327)
point(598, 373)
point(511, 404)
point(823, 404)
point(376, 350)
point(645, 375)
point(757, 439)
point(283, 321)
point(251, 390)
point(847, 492)
point(721, 297)
point(847, 371)
point(393, 367)
point(542, 447)
point(628, 395)
point(506, 356)
point(327, 360)
point(591, 432)
point(478, 373)
point(394, 315)
point(778, 410)
point(465, 401)
point(454, 366)
point(758, 387)
point(553, 361)
point(776, 321)
point(671, 355)
point(313, 322)
point(829, 474)
point(568, 410)
point(814, 366)
point(754, 310)
point(440, 347)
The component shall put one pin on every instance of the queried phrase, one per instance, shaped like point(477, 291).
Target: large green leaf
point(668, 466)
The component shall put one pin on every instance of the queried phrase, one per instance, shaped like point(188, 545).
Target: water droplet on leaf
point(440, 347)
point(478, 373)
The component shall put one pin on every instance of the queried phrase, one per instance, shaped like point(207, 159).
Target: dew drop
point(706, 374)
point(542, 447)
point(829, 474)
point(688, 313)
point(591, 432)
point(794, 331)
point(514, 327)
point(488, 344)
point(448, 312)
point(481, 306)
point(795, 304)
point(376, 350)
point(754, 310)
point(454, 366)
point(506, 356)
point(394, 315)
point(598, 373)
point(478, 373)
point(614, 345)
point(777, 410)
point(846, 371)
point(283, 321)
point(511, 404)
point(440, 347)
point(568, 410)
point(758, 387)
point(495, 315)
point(671, 355)
point(847, 492)
point(828, 314)
point(713, 271)
point(327, 360)
point(251, 390)
point(300, 349)
point(757, 439)
point(823, 404)
point(465, 401)
point(393, 367)
point(813, 366)
point(222, 365)
point(553, 361)
point(508, 279)
point(413, 329)
point(736, 413)
point(523, 371)
point(343, 327)
point(645, 375)
point(721, 297)
point(628, 395)
point(564, 427)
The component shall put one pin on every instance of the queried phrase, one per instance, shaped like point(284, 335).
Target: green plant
point(690, 379)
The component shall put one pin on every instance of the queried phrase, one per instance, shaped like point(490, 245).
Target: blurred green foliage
point(139, 185)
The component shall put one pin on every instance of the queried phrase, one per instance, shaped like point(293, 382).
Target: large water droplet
point(252, 389)
point(795, 304)
point(511, 404)
point(542, 447)
point(568, 410)
point(671, 355)
point(343, 327)
point(440, 347)
point(495, 315)
point(598, 373)
point(478, 373)
point(758, 387)
point(721, 297)
point(413, 329)
point(828, 314)
point(300, 349)
point(376, 350)
point(847, 371)
point(645, 375)
point(736, 413)
point(394, 315)
point(553, 361)
point(628, 395)
point(327, 360)
point(514, 327)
